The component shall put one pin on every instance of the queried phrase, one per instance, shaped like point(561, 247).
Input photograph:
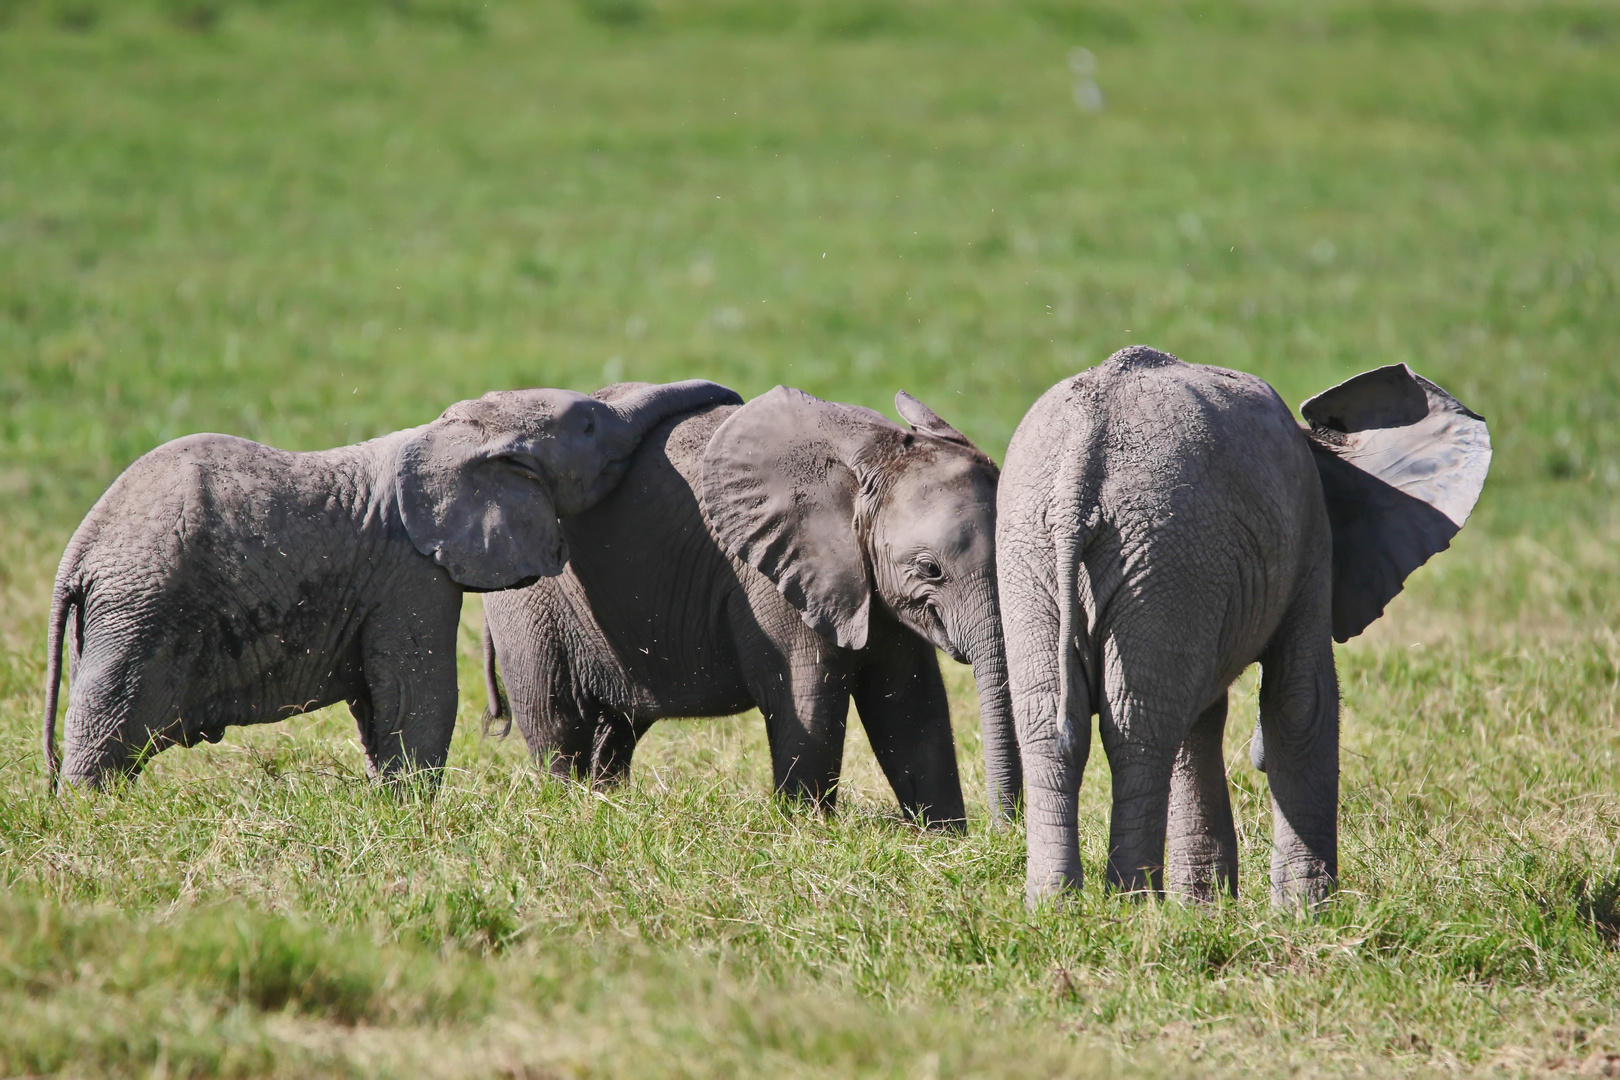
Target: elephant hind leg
point(1052, 715)
point(557, 717)
point(612, 747)
point(1143, 723)
point(569, 735)
point(120, 712)
point(1202, 854)
point(360, 708)
point(1139, 819)
point(1299, 720)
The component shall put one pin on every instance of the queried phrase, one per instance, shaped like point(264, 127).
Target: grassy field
point(311, 222)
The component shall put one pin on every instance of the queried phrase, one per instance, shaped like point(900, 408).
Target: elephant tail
point(498, 708)
point(63, 600)
point(1079, 681)
point(1073, 634)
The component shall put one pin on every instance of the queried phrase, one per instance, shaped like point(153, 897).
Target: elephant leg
point(806, 705)
point(907, 715)
point(1053, 728)
point(135, 695)
point(568, 734)
point(360, 708)
point(1137, 824)
point(558, 723)
point(410, 699)
point(1299, 718)
point(1201, 851)
point(612, 748)
point(1146, 714)
point(94, 745)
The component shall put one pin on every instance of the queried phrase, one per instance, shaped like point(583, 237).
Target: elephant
point(219, 581)
point(1161, 526)
point(789, 554)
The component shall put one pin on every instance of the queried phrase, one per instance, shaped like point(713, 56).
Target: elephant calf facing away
point(788, 555)
point(220, 582)
point(1161, 526)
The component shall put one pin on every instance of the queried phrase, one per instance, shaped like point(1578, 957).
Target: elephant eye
point(927, 568)
point(590, 424)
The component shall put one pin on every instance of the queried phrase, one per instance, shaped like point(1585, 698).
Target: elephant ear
point(474, 501)
point(1402, 464)
point(926, 420)
point(780, 488)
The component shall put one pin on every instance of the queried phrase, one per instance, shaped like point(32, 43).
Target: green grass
point(309, 223)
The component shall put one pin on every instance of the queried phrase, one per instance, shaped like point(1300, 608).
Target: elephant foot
point(1203, 885)
point(1049, 890)
point(941, 826)
point(1005, 820)
point(1141, 882)
point(1306, 893)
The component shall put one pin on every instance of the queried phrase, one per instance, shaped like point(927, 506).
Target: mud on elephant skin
point(790, 554)
point(1163, 525)
point(219, 581)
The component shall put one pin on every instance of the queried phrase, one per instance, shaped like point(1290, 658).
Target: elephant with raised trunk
point(1163, 525)
point(221, 582)
point(790, 554)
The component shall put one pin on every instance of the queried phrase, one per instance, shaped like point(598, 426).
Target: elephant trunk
point(1004, 770)
point(643, 409)
point(634, 415)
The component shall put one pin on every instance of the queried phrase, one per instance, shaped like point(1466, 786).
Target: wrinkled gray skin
point(1160, 527)
point(220, 582)
point(790, 555)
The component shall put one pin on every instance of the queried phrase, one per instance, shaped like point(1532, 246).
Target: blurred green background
point(310, 223)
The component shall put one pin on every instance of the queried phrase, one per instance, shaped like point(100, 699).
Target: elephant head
point(481, 488)
point(836, 504)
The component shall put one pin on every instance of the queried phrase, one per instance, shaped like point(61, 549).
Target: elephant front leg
point(1201, 850)
point(806, 706)
point(907, 715)
point(408, 713)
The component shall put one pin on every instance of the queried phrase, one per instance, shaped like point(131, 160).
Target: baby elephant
point(219, 581)
point(792, 554)
point(1161, 526)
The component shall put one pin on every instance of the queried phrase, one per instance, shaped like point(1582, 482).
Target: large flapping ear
point(780, 484)
point(926, 420)
point(474, 501)
point(1402, 464)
